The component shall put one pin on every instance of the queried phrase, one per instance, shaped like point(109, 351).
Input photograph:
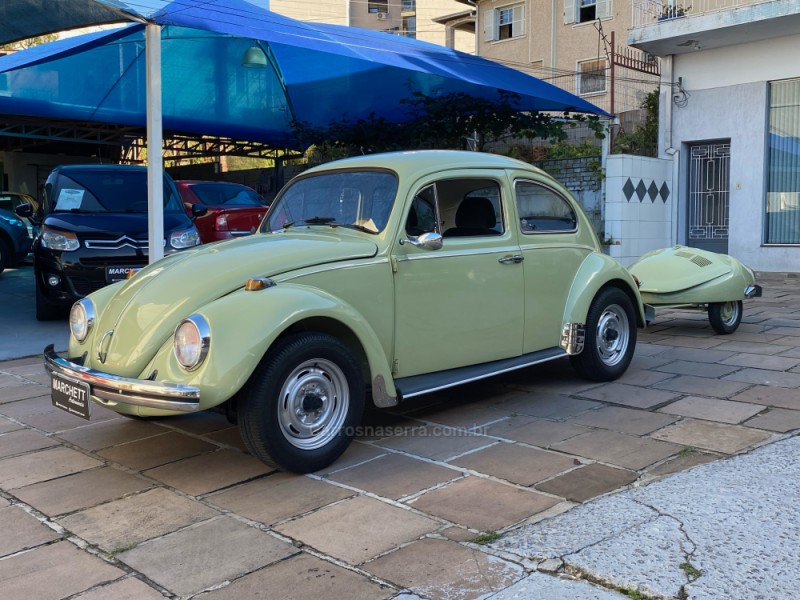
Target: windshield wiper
point(357, 227)
point(311, 221)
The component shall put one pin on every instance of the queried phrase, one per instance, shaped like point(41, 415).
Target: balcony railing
point(647, 12)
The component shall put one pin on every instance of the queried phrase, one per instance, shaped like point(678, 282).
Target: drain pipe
point(667, 75)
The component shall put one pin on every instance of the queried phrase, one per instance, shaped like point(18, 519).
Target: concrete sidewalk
point(121, 508)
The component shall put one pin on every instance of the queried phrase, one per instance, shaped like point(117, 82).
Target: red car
point(232, 209)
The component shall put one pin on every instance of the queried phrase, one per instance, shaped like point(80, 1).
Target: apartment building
point(420, 19)
point(568, 43)
point(730, 122)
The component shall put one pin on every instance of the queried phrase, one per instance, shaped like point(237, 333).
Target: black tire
point(610, 337)
point(725, 316)
point(5, 255)
point(44, 310)
point(302, 404)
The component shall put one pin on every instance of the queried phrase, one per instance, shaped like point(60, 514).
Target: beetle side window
point(543, 210)
point(464, 207)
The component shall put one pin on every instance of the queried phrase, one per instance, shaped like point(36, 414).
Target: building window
point(591, 77)
point(378, 7)
point(504, 23)
point(582, 11)
point(410, 26)
point(783, 171)
point(409, 6)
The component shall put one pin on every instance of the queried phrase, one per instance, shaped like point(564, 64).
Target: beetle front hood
point(147, 309)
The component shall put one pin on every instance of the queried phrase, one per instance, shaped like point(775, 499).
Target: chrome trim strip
point(328, 267)
point(114, 389)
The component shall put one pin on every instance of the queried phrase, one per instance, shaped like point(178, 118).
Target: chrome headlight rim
point(85, 308)
point(203, 331)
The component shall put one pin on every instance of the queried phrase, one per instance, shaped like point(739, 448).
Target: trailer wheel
point(725, 316)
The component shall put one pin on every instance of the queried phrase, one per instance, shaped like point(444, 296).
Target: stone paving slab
point(53, 572)
point(223, 549)
point(122, 524)
point(25, 440)
point(395, 476)
point(588, 482)
point(718, 437)
point(516, 463)
point(302, 577)
point(22, 531)
point(436, 443)
point(776, 419)
point(209, 471)
point(442, 570)
point(536, 432)
point(278, 497)
point(129, 588)
point(157, 450)
point(482, 504)
point(629, 395)
point(630, 452)
point(712, 409)
point(81, 490)
point(35, 467)
point(623, 420)
point(358, 529)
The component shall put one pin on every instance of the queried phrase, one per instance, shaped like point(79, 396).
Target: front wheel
point(725, 316)
point(302, 404)
point(610, 337)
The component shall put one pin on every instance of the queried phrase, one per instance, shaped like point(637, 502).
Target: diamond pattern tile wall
point(642, 190)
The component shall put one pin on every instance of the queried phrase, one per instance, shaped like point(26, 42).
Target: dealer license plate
point(70, 395)
point(114, 274)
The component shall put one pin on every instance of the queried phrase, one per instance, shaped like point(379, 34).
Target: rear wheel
point(725, 316)
point(302, 403)
point(610, 337)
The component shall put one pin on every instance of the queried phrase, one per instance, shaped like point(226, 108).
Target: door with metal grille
point(709, 195)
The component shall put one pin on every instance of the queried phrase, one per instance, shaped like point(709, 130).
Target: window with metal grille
point(591, 77)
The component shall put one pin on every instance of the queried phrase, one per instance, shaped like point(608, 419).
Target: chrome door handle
point(507, 260)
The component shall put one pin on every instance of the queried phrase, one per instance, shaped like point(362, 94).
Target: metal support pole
point(155, 161)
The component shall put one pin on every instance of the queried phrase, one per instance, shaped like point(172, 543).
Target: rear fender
point(596, 272)
point(245, 324)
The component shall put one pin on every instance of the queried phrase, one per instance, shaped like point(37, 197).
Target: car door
point(553, 250)
point(461, 304)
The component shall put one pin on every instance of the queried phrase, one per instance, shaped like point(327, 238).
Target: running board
point(416, 385)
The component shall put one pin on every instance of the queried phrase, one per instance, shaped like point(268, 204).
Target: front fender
point(245, 324)
point(597, 271)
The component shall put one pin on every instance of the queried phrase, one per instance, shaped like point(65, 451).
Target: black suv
point(95, 230)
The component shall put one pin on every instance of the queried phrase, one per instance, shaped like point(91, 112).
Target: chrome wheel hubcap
point(612, 335)
point(313, 404)
point(729, 312)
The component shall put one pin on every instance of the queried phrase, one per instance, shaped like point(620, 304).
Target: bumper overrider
point(109, 390)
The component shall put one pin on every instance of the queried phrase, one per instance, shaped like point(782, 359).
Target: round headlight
point(191, 341)
point(81, 319)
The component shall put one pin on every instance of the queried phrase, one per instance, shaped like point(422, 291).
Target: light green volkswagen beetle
point(382, 277)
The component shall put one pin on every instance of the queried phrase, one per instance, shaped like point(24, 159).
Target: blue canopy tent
point(311, 72)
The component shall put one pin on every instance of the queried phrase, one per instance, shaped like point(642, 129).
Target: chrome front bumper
point(108, 389)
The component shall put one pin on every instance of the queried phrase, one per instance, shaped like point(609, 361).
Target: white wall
point(727, 98)
point(637, 225)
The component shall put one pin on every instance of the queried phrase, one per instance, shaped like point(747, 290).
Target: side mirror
point(198, 210)
point(429, 240)
point(24, 210)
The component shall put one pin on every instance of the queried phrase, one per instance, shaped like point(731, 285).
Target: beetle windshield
point(358, 199)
